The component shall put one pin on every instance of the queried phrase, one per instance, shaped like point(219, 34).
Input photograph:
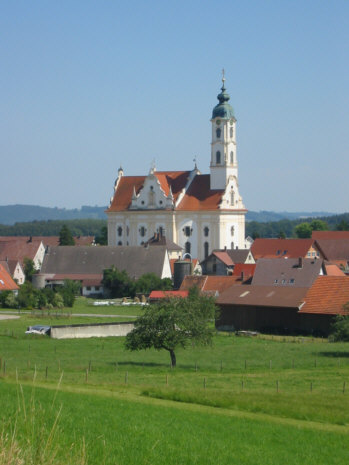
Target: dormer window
point(218, 157)
point(218, 133)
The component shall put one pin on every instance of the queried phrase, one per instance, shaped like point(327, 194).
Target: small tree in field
point(174, 323)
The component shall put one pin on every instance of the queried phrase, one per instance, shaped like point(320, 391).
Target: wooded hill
point(92, 227)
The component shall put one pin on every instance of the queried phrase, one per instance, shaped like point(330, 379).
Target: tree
point(118, 282)
point(29, 269)
point(343, 226)
point(65, 236)
point(150, 281)
point(340, 327)
point(102, 237)
point(303, 230)
point(319, 225)
point(68, 292)
point(174, 323)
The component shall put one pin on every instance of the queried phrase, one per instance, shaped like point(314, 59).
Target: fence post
point(204, 383)
point(46, 372)
point(343, 387)
point(277, 386)
point(86, 378)
point(126, 377)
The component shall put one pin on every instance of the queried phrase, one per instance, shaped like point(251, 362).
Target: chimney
point(300, 262)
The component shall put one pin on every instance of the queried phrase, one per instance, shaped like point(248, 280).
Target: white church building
point(199, 212)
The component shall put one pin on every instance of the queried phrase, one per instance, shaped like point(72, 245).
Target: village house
point(6, 281)
point(222, 262)
point(86, 265)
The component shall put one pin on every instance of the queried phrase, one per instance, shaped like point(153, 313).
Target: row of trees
point(120, 284)
point(30, 297)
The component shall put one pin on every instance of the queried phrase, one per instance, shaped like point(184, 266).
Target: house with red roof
point(284, 309)
point(199, 212)
point(16, 249)
point(285, 248)
point(6, 282)
point(223, 262)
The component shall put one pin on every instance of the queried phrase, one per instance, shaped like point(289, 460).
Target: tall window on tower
point(232, 198)
point(218, 133)
point(187, 247)
point(206, 249)
point(218, 157)
point(231, 133)
point(232, 157)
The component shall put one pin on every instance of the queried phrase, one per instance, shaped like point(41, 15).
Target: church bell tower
point(223, 165)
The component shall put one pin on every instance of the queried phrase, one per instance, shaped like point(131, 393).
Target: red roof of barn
point(210, 283)
point(167, 294)
point(6, 282)
point(327, 295)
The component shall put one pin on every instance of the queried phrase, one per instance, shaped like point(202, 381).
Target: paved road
point(9, 317)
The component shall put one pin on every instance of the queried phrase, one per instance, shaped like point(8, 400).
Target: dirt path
point(9, 317)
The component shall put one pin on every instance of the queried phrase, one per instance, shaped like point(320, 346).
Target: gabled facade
point(222, 262)
point(199, 212)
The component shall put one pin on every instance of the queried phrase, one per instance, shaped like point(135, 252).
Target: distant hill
point(267, 216)
point(11, 214)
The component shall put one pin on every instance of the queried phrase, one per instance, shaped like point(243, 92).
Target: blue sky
point(89, 86)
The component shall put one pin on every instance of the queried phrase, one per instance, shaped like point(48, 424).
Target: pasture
point(265, 400)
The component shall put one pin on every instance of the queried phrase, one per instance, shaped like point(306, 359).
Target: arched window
point(218, 157)
point(187, 231)
point(127, 231)
point(218, 133)
point(231, 133)
point(119, 231)
point(142, 231)
point(232, 157)
point(232, 198)
point(187, 247)
point(119, 243)
point(206, 231)
point(232, 229)
point(206, 249)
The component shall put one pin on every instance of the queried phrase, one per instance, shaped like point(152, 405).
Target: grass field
point(264, 400)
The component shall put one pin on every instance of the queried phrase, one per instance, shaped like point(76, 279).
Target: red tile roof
point(327, 295)
point(168, 294)
point(198, 197)
point(18, 249)
point(223, 256)
point(51, 241)
point(123, 195)
point(6, 282)
point(281, 248)
point(210, 283)
point(334, 249)
point(333, 270)
point(246, 268)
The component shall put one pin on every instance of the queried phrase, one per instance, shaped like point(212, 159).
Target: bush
point(340, 329)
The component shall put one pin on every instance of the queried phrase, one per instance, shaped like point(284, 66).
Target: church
point(199, 212)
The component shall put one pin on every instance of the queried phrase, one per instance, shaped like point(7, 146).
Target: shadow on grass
point(334, 354)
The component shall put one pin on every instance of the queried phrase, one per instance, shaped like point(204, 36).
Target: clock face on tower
point(218, 122)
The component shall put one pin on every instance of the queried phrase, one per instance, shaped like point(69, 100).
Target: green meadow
point(265, 400)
